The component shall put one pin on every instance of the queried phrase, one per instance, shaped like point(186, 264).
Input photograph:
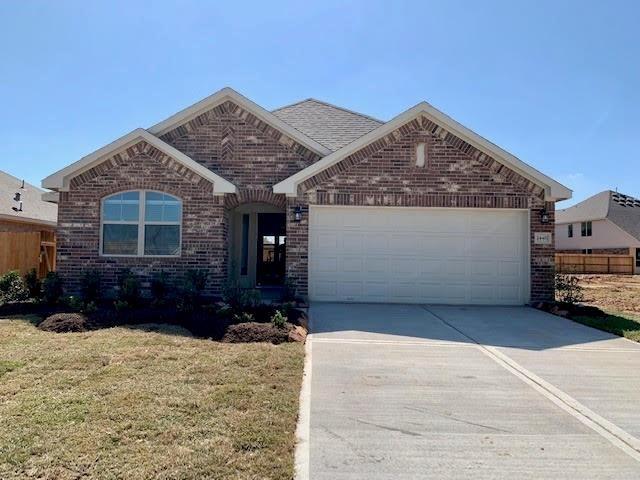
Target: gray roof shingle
point(34, 209)
point(331, 126)
point(623, 210)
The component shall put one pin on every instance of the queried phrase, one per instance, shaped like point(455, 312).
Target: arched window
point(141, 223)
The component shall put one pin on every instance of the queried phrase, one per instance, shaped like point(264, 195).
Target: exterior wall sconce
point(297, 213)
point(544, 216)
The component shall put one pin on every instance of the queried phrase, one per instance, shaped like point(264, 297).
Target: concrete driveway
point(406, 391)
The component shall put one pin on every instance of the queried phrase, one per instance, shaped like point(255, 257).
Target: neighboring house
point(27, 227)
point(344, 206)
point(607, 223)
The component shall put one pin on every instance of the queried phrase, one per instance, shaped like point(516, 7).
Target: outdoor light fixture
point(297, 213)
point(544, 216)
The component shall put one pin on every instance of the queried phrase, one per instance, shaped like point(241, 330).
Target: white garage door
point(418, 255)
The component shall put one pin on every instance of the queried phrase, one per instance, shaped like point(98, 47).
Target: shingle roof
point(34, 209)
point(329, 125)
point(623, 210)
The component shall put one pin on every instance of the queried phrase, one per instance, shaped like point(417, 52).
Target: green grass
point(624, 325)
point(138, 404)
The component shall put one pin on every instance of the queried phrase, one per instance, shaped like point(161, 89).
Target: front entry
point(271, 251)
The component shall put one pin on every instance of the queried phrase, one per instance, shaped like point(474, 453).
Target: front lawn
point(144, 402)
point(623, 325)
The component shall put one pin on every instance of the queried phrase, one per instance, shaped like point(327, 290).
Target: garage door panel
point(414, 255)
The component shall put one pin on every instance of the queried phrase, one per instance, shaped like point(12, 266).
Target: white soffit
point(59, 181)
point(229, 94)
point(554, 191)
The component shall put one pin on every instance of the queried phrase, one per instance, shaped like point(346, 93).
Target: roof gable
point(330, 125)
point(60, 180)
point(461, 135)
point(225, 95)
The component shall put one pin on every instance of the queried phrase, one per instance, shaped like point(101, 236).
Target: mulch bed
point(205, 322)
point(568, 310)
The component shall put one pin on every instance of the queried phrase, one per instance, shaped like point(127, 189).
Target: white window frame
point(141, 223)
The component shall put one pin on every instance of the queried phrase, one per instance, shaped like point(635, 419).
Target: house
point(607, 223)
point(27, 227)
point(343, 206)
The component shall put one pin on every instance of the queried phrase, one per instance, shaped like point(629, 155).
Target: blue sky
point(553, 82)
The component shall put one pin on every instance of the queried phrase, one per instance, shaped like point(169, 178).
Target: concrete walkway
point(405, 391)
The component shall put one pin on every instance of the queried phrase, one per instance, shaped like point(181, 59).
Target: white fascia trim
point(229, 94)
point(60, 180)
point(554, 191)
point(51, 197)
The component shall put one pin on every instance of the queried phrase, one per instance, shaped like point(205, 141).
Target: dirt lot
point(612, 293)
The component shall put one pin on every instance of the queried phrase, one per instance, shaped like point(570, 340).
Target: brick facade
point(252, 155)
point(138, 168)
point(455, 175)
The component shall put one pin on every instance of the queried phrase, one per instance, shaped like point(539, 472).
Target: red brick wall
point(204, 230)
point(456, 175)
point(240, 148)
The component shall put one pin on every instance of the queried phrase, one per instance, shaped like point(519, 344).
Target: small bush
point(90, 288)
point(239, 298)
point(64, 322)
point(121, 305)
point(159, 288)
point(52, 288)
point(33, 284)
point(243, 317)
point(194, 284)
point(278, 320)
point(129, 289)
point(74, 303)
point(12, 288)
point(289, 290)
point(568, 289)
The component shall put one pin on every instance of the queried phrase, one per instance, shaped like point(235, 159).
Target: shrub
point(52, 288)
point(129, 289)
point(90, 288)
point(239, 298)
point(278, 320)
point(289, 290)
point(64, 322)
point(12, 288)
point(33, 284)
point(191, 292)
point(74, 303)
point(159, 288)
point(243, 317)
point(568, 289)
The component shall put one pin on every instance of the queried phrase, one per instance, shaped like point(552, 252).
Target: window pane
point(162, 240)
point(111, 211)
point(120, 239)
point(130, 212)
point(121, 207)
point(160, 207)
point(172, 212)
point(153, 213)
point(131, 196)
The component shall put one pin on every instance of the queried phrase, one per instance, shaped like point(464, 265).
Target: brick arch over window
point(255, 196)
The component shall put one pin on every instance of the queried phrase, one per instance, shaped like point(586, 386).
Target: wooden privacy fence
point(581, 263)
point(24, 251)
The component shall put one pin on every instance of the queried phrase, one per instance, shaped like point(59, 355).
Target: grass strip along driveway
point(149, 402)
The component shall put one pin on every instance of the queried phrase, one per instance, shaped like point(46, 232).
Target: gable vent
point(421, 154)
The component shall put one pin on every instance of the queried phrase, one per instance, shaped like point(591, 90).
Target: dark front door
point(272, 246)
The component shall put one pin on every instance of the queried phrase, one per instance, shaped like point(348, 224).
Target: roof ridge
point(20, 180)
point(337, 107)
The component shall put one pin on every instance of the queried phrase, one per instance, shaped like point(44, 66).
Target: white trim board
point(229, 94)
point(554, 191)
point(59, 181)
